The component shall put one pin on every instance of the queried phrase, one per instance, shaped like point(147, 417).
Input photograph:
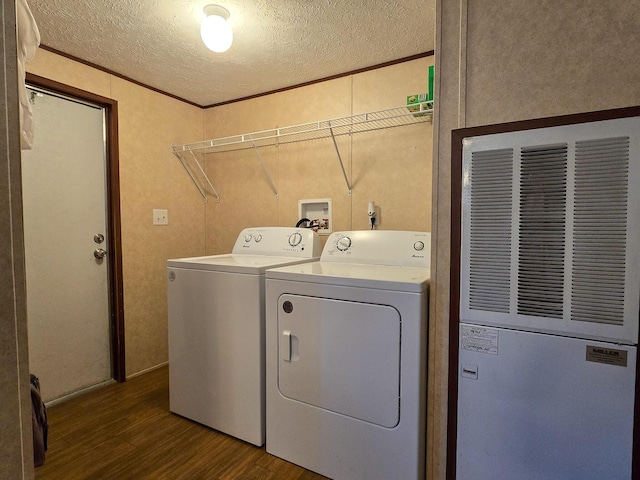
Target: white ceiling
point(277, 43)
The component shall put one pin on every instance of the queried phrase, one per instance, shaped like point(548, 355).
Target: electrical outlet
point(160, 217)
point(373, 213)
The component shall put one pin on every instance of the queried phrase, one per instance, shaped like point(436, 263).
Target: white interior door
point(65, 215)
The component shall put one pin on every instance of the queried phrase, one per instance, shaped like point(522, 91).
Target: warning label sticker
point(610, 356)
point(479, 339)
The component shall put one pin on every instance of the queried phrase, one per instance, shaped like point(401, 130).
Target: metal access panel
point(533, 406)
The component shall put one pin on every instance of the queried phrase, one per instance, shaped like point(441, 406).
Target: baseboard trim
point(147, 370)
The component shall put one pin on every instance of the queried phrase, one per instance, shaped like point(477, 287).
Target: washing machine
point(347, 357)
point(217, 332)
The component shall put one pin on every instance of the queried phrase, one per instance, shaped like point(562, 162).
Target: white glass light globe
point(216, 33)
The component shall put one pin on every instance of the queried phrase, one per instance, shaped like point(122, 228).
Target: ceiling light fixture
point(215, 29)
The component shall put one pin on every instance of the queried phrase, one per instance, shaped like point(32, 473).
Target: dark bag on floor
point(39, 422)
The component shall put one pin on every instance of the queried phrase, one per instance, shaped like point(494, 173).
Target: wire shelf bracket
point(199, 185)
point(365, 122)
point(344, 172)
point(266, 172)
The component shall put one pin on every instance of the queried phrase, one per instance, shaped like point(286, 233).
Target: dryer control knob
point(295, 239)
point(343, 243)
point(247, 237)
point(418, 246)
point(258, 238)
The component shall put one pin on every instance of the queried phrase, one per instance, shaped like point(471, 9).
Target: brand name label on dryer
point(610, 356)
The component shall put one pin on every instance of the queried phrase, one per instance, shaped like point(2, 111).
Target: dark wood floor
point(126, 431)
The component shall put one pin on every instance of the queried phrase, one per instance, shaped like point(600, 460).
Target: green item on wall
point(431, 76)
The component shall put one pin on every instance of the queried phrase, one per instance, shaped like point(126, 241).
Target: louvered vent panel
point(600, 224)
point(543, 198)
point(490, 230)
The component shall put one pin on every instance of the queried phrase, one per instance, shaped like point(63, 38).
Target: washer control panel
point(278, 241)
point(379, 247)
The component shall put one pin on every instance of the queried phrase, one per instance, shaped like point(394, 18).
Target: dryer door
point(340, 356)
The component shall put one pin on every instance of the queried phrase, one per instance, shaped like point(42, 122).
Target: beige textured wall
point(391, 167)
point(503, 61)
point(150, 177)
point(16, 448)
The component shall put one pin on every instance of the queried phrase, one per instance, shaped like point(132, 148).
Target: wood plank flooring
point(125, 431)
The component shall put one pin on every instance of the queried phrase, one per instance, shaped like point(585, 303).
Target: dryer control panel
point(379, 247)
point(278, 241)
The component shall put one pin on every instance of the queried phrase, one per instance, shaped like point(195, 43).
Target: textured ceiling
point(277, 43)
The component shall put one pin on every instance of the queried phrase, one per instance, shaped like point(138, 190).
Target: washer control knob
point(258, 238)
point(418, 246)
point(247, 237)
point(343, 243)
point(295, 239)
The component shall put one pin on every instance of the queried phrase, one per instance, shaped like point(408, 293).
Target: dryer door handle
point(285, 345)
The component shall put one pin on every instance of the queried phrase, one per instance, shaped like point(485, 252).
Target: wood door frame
point(116, 300)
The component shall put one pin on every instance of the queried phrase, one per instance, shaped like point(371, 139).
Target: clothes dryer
point(346, 357)
point(217, 333)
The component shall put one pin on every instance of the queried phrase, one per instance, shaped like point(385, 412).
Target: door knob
point(99, 253)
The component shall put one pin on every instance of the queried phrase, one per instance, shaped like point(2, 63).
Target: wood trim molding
point(454, 299)
point(457, 138)
point(114, 219)
point(332, 77)
point(325, 79)
point(115, 74)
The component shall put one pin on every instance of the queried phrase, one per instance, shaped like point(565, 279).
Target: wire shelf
point(364, 122)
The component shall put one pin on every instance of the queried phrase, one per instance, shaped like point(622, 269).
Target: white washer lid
point(381, 277)
point(248, 264)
